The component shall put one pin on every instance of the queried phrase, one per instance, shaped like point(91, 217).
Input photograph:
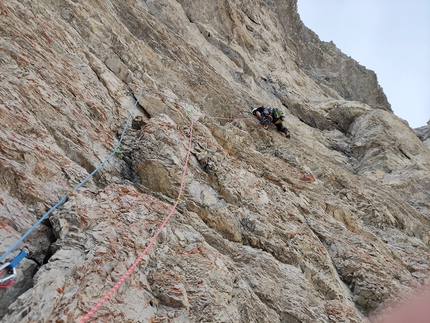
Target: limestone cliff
point(324, 227)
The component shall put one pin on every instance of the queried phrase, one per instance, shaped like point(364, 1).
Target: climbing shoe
point(265, 122)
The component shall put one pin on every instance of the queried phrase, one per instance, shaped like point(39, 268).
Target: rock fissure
point(324, 227)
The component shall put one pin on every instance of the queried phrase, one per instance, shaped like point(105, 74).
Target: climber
point(271, 115)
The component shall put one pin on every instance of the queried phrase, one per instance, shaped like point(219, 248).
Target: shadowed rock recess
point(327, 226)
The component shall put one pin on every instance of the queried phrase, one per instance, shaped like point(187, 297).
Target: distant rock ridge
point(424, 133)
point(328, 226)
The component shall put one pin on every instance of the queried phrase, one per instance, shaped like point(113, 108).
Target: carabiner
point(10, 271)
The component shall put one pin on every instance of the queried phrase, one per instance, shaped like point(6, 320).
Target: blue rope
point(16, 244)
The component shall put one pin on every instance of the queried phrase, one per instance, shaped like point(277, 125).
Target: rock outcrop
point(424, 133)
point(327, 226)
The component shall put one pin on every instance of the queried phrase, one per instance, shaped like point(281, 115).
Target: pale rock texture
point(328, 226)
point(424, 133)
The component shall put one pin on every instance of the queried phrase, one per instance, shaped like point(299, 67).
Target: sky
point(390, 37)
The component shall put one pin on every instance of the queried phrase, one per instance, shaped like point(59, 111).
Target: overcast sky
point(390, 37)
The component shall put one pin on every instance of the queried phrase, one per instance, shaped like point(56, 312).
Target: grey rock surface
point(328, 226)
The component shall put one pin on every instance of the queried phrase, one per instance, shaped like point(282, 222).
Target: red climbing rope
point(139, 259)
point(8, 283)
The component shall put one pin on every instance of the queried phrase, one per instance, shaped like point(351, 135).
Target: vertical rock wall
point(323, 227)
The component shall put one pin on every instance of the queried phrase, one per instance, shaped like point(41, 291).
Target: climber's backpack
point(276, 113)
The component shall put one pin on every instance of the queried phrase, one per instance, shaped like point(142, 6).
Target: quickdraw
point(8, 269)
point(9, 279)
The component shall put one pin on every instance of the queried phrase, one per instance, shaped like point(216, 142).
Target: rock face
point(424, 133)
point(324, 227)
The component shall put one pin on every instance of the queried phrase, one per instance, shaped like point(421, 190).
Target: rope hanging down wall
point(139, 259)
point(64, 199)
point(152, 241)
point(154, 238)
